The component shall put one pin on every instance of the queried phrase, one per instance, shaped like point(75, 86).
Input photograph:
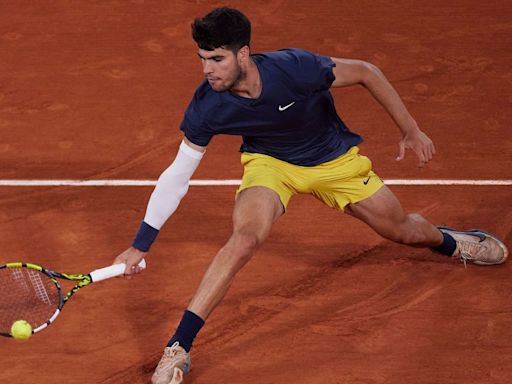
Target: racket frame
point(83, 280)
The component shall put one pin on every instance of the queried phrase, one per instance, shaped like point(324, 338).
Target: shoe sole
point(487, 234)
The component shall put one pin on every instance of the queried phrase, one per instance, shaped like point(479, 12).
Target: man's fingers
point(132, 259)
point(432, 150)
point(430, 154)
point(422, 146)
point(130, 271)
point(427, 155)
point(422, 156)
point(401, 151)
point(420, 153)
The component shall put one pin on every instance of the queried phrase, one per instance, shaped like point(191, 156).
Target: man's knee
point(248, 241)
point(240, 248)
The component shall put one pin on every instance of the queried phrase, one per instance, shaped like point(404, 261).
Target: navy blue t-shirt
point(294, 118)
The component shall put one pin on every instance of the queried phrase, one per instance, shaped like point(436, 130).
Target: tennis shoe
point(174, 356)
point(477, 246)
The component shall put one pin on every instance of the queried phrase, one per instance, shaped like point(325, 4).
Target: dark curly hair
point(224, 27)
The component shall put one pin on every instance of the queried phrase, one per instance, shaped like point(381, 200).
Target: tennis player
point(293, 142)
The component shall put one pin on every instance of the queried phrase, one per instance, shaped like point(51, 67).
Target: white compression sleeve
point(172, 185)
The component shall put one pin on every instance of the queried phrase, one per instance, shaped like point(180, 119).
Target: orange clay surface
point(96, 90)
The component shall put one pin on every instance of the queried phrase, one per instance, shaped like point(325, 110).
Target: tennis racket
point(32, 293)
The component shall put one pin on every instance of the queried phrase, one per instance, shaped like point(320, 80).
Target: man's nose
point(207, 67)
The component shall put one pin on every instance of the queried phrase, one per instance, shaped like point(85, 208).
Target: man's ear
point(243, 54)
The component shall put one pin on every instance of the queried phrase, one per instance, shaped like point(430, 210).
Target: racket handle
point(112, 271)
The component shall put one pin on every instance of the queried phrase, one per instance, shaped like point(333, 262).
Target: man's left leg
point(384, 213)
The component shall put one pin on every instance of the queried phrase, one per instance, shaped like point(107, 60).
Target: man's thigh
point(382, 212)
point(256, 209)
point(381, 206)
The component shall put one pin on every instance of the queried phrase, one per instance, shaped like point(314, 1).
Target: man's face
point(221, 68)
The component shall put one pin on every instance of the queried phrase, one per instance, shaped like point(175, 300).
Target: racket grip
point(112, 271)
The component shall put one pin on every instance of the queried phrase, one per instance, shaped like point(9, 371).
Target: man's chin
point(219, 87)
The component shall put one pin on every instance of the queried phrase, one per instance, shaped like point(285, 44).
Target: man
point(293, 142)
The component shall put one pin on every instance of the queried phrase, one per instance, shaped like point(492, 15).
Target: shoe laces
point(467, 248)
point(169, 353)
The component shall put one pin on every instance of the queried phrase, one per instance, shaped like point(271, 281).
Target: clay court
point(95, 90)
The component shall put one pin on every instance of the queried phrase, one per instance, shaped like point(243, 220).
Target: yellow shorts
point(344, 180)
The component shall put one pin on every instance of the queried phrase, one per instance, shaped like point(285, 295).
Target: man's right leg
point(256, 209)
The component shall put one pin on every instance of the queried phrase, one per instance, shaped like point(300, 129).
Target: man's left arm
point(351, 72)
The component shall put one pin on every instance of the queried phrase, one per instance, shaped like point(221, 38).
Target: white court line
point(142, 183)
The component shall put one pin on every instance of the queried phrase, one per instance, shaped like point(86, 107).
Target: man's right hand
point(131, 257)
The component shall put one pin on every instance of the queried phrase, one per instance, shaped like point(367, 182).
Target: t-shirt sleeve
point(194, 124)
point(312, 72)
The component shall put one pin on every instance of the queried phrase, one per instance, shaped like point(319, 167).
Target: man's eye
point(217, 59)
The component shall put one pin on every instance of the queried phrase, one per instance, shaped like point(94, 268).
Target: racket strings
point(26, 294)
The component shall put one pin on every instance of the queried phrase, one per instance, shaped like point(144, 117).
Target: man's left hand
point(420, 144)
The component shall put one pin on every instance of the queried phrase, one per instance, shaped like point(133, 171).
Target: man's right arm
point(171, 187)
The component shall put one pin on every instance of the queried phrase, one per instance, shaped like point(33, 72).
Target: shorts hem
point(244, 187)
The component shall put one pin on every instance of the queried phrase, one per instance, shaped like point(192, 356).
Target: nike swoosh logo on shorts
point(281, 109)
point(366, 181)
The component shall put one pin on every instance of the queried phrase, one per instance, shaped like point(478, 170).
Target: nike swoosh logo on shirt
point(281, 109)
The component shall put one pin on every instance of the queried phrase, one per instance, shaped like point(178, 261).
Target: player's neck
point(249, 84)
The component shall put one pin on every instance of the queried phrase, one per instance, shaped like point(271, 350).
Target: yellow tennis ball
point(21, 330)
